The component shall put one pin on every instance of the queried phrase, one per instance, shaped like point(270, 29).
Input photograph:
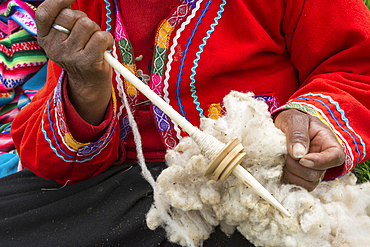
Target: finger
point(305, 173)
point(293, 179)
point(329, 158)
point(67, 19)
point(81, 33)
point(105, 41)
point(94, 51)
point(325, 150)
point(295, 125)
point(46, 14)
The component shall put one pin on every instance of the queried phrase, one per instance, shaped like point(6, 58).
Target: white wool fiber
point(161, 209)
point(336, 213)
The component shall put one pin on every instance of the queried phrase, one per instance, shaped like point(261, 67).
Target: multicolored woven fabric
point(21, 71)
point(248, 50)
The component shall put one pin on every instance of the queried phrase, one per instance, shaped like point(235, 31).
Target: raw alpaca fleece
point(336, 213)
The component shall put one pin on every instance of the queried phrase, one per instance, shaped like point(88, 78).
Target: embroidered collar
point(161, 48)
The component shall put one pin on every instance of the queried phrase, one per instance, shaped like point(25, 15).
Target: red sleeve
point(49, 139)
point(79, 128)
point(329, 43)
point(45, 144)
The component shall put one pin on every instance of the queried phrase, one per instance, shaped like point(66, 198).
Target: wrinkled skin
point(312, 148)
point(90, 83)
point(80, 53)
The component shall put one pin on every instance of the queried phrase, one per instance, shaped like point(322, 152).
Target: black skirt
point(106, 210)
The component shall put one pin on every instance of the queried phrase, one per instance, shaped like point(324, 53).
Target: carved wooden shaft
point(225, 159)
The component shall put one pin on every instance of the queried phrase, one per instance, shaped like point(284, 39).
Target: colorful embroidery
point(191, 2)
point(125, 128)
point(63, 157)
point(161, 119)
point(178, 87)
point(193, 69)
point(170, 60)
point(215, 111)
point(163, 122)
point(120, 83)
point(127, 58)
point(157, 72)
point(81, 151)
point(314, 111)
point(271, 100)
point(349, 129)
point(109, 19)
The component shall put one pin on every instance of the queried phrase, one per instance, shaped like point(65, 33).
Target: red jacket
point(313, 55)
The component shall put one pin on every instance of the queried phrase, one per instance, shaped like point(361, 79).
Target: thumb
point(298, 150)
point(298, 139)
point(295, 125)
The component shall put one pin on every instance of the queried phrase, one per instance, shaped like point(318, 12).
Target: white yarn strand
point(148, 176)
point(209, 145)
point(119, 82)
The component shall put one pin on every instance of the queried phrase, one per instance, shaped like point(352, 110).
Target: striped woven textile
point(22, 71)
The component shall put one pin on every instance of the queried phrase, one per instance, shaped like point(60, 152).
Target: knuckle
point(71, 15)
point(299, 136)
point(340, 157)
point(100, 36)
point(66, 14)
point(41, 14)
point(87, 23)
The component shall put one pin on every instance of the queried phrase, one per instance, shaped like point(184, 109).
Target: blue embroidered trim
point(343, 118)
point(109, 19)
point(60, 156)
point(58, 145)
point(54, 136)
point(193, 91)
point(336, 120)
point(184, 57)
point(51, 145)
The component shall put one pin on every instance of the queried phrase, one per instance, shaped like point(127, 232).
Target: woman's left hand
point(312, 148)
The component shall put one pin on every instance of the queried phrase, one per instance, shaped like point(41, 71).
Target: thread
point(148, 176)
point(209, 145)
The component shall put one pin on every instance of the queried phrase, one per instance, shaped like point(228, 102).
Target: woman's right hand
point(80, 53)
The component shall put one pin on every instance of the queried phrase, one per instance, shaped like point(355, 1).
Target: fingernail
point(306, 163)
point(298, 151)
